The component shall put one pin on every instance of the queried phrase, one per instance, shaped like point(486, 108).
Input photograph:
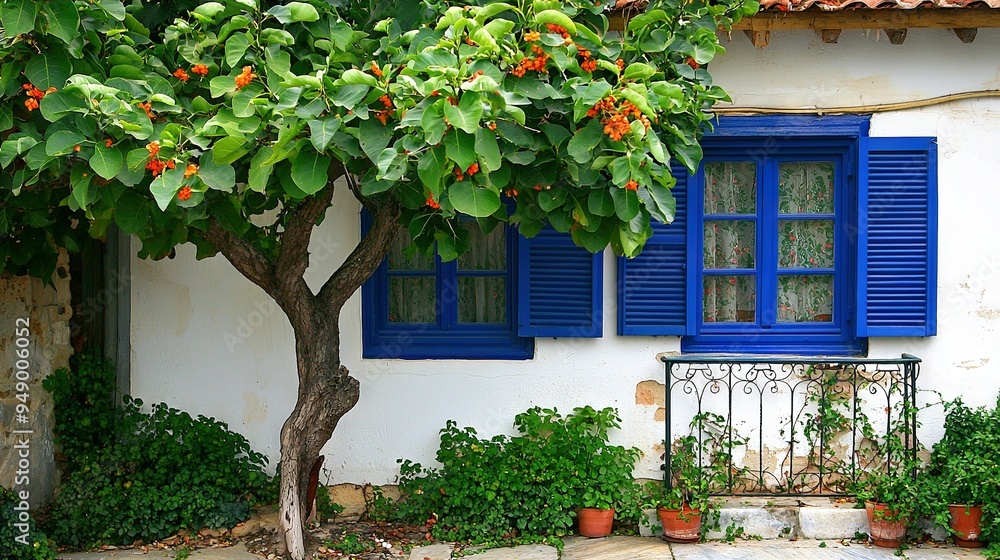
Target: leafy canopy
point(239, 111)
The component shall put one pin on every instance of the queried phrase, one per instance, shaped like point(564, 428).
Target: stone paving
point(615, 548)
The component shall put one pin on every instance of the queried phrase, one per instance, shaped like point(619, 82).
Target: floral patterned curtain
point(805, 241)
point(482, 298)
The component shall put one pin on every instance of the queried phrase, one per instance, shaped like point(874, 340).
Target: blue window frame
point(882, 260)
point(788, 305)
point(423, 308)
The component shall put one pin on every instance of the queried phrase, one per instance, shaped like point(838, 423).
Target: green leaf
point(460, 148)
point(63, 142)
point(50, 69)
point(236, 47)
point(488, 149)
point(221, 85)
point(594, 92)
point(218, 176)
point(114, 8)
point(321, 131)
point(18, 16)
point(348, 95)
point(432, 168)
point(131, 212)
point(309, 171)
point(58, 104)
point(243, 100)
point(259, 171)
point(300, 11)
point(374, 137)
point(467, 114)
point(433, 123)
point(64, 20)
point(638, 71)
point(354, 76)
point(581, 145)
point(391, 165)
point(600, 202)
point(626, 203)
point(228, 149)
point(659, 201)
point(164, 188)
point(558, 18)
point(106, 162)
point(209, 10)
point(689, 154)
point(656, 147)
point(474, 200)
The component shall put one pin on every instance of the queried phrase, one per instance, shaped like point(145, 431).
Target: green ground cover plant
point(134, 474)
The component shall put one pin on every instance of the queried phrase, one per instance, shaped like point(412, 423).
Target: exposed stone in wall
point(48, 310)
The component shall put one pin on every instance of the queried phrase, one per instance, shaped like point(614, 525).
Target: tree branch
point(245, 258)
point(365, 258)
point(293, 258)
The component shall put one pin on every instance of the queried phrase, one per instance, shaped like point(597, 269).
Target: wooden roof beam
point(829, 36)
point(920, 18)
point(896, 36)
point(966, 34)
point(758, 38)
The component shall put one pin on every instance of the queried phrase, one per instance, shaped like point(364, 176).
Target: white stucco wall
point(206, 340)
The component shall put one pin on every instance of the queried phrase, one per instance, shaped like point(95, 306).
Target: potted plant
point(960, 488)
point(700, 464)
point(604, 479)
point(890, 499)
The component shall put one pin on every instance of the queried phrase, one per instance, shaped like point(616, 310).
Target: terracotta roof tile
point(835, 5)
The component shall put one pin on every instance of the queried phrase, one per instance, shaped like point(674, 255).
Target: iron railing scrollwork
point(809, 423)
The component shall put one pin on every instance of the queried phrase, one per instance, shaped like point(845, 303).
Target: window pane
point(482, 299)
point(486, 252)
point(730, 299)
point(399, 261)
point(805, 298)
point(411, 299)
point(805, 187)
point(805, 243)
point(729, 244)
point(730, 187)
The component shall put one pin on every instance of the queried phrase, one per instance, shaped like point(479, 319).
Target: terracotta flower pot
point(594, 522)
point(680, 525)
point(885, 533)
point(966, 521)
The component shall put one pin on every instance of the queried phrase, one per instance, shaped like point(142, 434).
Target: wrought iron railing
point(804, 426)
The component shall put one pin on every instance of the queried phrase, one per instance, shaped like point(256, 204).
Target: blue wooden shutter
point(652, 288)
point(559, 287)
point(897, 237)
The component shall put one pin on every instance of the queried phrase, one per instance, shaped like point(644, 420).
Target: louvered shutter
point(559, 287)
point(897, 237)
point(652, 287)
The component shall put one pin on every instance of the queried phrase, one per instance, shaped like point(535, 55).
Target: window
point(426, 308)
point(487, 304)
point(794, 236)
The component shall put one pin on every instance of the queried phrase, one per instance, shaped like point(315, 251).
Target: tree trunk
point(326, 393)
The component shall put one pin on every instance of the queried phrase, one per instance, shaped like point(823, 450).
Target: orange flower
point(589, 65)
point(621, 64)
point(31, 104)
point(492, 126)
point(154, 166)
point(245, 77)
point(386, 101)
point(76, 148)
point(108, 143)
point(473, 169)
point(153, 148)
point(192, 169)
point(382, 116)
point(376, 70)
point(532, 36)
point(693, 63)
point(171, 164)
point(631, 185)
point(148, 107)
point(432, 203)
point(181, 75)
point(184, 193)
point(616, 126)
point(200, 69)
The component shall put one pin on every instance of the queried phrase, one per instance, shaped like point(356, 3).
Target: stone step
point(788, 518)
